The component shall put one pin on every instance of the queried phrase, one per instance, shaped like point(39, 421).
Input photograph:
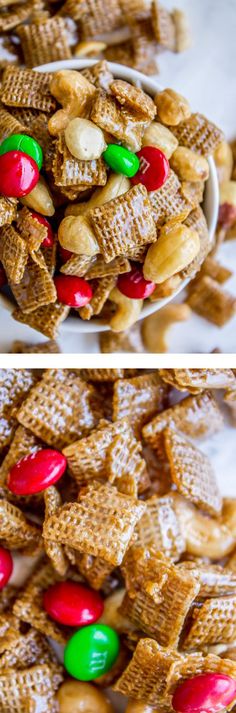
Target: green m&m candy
point(121, 160)
point(91, 652)
point(24, 143)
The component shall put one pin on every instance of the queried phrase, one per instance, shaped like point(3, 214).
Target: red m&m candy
point(49, 239)
point(36, 472)
point(65, 255)
point(73, 291)
point(153, 169)
point(18, 174)
point(3, 279)
point(209, 692)
point(132, 284)
point(6, 566)
point(72, 604)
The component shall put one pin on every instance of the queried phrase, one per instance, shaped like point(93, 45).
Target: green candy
point(91, 651)
point(22, 142)
point(121, 160)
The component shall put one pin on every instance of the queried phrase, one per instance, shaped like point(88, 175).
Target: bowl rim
point(151, 86)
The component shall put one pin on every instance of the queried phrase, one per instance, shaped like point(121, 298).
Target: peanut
point(172, 107)
point(40, 199)
point(128, 311)
point(116, 185)
point(89, 49)
point(189, 165)
point(78, 697)
point(158, 135)
point(111, 616)
point(223, 157)
point(75, 234)
point(175, 248)
point(84, 139)
point(156, 327)
point(205, 536)
point(74, 92)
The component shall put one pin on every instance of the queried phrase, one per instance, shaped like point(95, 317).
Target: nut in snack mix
point(117, 175)
point(133, 542)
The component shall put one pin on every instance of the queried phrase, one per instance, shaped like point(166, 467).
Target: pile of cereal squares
point(131, 32)
point(121, 177)
point(103, 482)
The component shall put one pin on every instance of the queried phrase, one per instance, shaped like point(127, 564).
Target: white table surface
point(205, 74)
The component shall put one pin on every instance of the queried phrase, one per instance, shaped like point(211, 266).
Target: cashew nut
point(40, 199)
point(204, 535)
point(78, 697)
point(158, 135)
point(189, 165)
point(111, 615)
point(127, 313)
point(172, 107)
point(228, 193)
point(224, 161)
point(75, 234)
point(139, 707)
point(89, 49)
point(74, 92)
point(156, 327)
point(174, 249)
point(115, 187)
point(84, 139)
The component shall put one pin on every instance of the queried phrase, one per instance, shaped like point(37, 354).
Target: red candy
point(3, 279)
point(65, 255)
point(6, 566)
point(49, 240)
point(18, 174)
point(73, 291)
point(132, 284)
point(153, 170)
point(72, 604)
point(209, 692)
point(36, 472)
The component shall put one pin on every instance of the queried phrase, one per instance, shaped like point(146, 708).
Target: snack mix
point(101, 186)
point(131, 547)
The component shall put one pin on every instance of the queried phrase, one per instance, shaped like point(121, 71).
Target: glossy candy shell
point(6, 566)
point(132, 284)
point(18, 174)
point(91, 652)
point(22, 142)
point(154, 168)
point(209, 692)
point(72, 604)
point(36, 472)
point(121, 160)
point(73, 291)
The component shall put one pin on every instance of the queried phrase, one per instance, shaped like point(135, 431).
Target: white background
point(206, 75)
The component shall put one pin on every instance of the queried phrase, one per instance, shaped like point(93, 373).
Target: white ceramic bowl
point(211, 198)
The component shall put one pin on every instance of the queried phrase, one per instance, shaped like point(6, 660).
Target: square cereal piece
point(7, 429)
point(26, 88)
point(193, 664)
point(215, 580)
point(46, 319)
point(19, 347)
point(159, 528)
point(144, 46)
point(194, 380)
point(70, 171)
point(78, 265)
point(13, 253)
point(22, 690)
point(28, 606)
point(99, 75)
point(140, 9)
point(126, 469)
point(31, 231)
point(9, 125)
point(31, 648)
point(16, 532)
point(14, 15)
point(8, 208)
point(196, 416)
point(87, 458)
point(110, 116)
point(134, 99)
point(9, 632)
point(193, 191)
point(36, 287)
point(196, 221)
point(192, 472)
point(213, 623)
point(158, 598)
point(54, 550)
point(163, 26)
point(44, 42)
point(230, 400)
point(102, 374)
point(144, 679)
point(98, 16)
point(101, 524)
point(58, 408)
point(138, 399)
point(23, 443)
point(101, 294)
point(14, 387)
point(199, 134)
point(211, 302)
point(94, 569)
point(214, 269)
point(168, 202)
point(123, 223)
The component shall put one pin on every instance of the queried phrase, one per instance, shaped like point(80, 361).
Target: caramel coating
point(175, 248)
point(78, 697)
point(172, 107)
point(189, 165)
point(205, 536)
point(127, 313)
